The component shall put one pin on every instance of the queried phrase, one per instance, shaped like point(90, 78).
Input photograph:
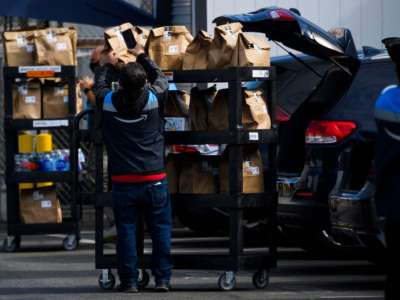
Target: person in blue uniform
point(133, 124)
point(387, 164)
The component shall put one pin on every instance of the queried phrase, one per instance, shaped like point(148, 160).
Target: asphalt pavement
point(42, 270)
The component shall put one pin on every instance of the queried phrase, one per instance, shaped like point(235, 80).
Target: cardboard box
point(115, 40)
point(253, 173)
point(254, 111)
point(54, 46)
point(167, 46)
point(27, 100)
point(40, 206)
point(196, 56)
point(198, 178)
point(201, 101)
point(223, 46)
point(19, 48)
point(251, 51)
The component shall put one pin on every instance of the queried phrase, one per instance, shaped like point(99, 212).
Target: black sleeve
point(156, 77)
point(104, 76)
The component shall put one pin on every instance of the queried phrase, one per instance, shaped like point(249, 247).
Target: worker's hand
point(86, 83)
point(139, 49)
point(109, 58)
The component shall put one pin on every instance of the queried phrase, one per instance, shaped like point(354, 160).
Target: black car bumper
point(303, 215)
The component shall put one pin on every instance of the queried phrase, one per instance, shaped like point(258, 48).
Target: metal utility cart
point(15, 229)
point(236, 258)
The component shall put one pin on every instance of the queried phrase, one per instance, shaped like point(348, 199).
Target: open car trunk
point(312, 88)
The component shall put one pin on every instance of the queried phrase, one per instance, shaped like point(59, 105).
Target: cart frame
point(15, 229)
point(235, 201)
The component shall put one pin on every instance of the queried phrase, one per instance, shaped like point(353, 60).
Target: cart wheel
point(144, 279)
point(106, 280)
point(11, 244)
point(227, 281)
point(70, 243)
point(261, 279)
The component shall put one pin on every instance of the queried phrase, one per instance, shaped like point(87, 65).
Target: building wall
point(369, 20)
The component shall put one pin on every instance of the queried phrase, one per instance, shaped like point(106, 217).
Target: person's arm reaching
point(157, 79)
point(104, 76)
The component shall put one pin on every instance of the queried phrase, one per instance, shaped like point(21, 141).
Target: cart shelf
point(28, 124)
point(19, 177)
point(238, 137)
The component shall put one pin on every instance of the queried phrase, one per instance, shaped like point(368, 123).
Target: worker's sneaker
point(122, 288)
point(162, 287)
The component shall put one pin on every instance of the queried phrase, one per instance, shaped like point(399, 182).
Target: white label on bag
point(254, 136)
point(167, 36)
point(61, 46)
point(253, 171)
point(23, 90)
point(50, 123)
point(37, 195)
point(173, 49)
point(46, 204)
point(21, 41)
point(260, 74)
point(30, 99)
point(65, 99)
point(175, 124)
point(58, 91)
point(51, 38)
point(29, 48)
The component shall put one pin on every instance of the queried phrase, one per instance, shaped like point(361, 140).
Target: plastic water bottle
point(60, 162)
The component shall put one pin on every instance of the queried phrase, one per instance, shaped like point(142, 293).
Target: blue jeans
point(153, 198)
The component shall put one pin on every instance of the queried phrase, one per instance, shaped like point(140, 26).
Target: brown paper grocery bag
point(223, 46)
point(255, 111)
point(40, 206)
point(251, 51)
point(115, 40)
point(19, 48)
point(74, 40)
point(201, 101)
point(167, 46)
point(197, 178)
point(27, 100)
point(253, 174)
point(176, 111)
point(55, 99)
point(54, 47)
point(218, 117)
point(196, 56)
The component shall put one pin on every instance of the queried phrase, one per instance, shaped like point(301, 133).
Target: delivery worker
point(387, 114)
point(133, 135)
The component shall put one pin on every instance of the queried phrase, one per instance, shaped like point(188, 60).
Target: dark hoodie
point(133, 128)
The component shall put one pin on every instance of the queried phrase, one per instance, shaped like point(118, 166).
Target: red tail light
point(329, 132)
point(281, 115)
point(281, 14)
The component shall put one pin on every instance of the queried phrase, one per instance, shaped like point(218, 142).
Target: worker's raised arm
point(157, 79)
point(104, 76)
